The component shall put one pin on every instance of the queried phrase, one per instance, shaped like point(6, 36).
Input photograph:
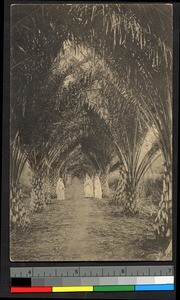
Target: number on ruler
point(76, 271)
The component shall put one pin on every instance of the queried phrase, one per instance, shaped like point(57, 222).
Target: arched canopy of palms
point(118, 114)
point(98, 147)
point(66, 86)
point(96, 40)
point(146, 67)
point(77, 165)
point(54, 112)
point(128, 131)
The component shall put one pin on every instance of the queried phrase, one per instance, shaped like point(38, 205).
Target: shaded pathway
point(84, 229)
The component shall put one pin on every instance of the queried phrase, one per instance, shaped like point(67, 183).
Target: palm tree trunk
point(53, 187)
point(126, 194)
point(37, 193)
point(52, 180)
point(47, 190)
point(163, 221)
point(168, 252)
point(120, 191)
point(19, 216)
point(130, 205)
point(104, 185)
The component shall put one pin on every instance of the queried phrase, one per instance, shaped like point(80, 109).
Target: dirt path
point(85, 216)
point(84, 229)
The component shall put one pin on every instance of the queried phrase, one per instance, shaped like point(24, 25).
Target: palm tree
point(145, 67)
point(33, 107)
point(107, 30)
point(113, 109)
point(97, 147)
point(129, 132)
point(31, 56)
point(19, 216)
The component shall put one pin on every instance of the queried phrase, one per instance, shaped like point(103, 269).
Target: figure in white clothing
point(97, 188)
point(60, 188)
point(88, 187)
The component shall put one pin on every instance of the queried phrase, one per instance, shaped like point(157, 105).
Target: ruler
point(81, 271)
point(94, 278)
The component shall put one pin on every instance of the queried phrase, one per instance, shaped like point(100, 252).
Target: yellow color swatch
point(67, 289)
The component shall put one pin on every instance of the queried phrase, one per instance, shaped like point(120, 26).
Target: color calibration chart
point(92, 279)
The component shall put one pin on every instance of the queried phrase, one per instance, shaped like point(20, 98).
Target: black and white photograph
point(91, 130)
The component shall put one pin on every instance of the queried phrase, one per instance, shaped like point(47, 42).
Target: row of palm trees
point(98, 77)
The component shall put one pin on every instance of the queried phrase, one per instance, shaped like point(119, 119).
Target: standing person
point(97, 188)
point(88, 187)
point(60, 189)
